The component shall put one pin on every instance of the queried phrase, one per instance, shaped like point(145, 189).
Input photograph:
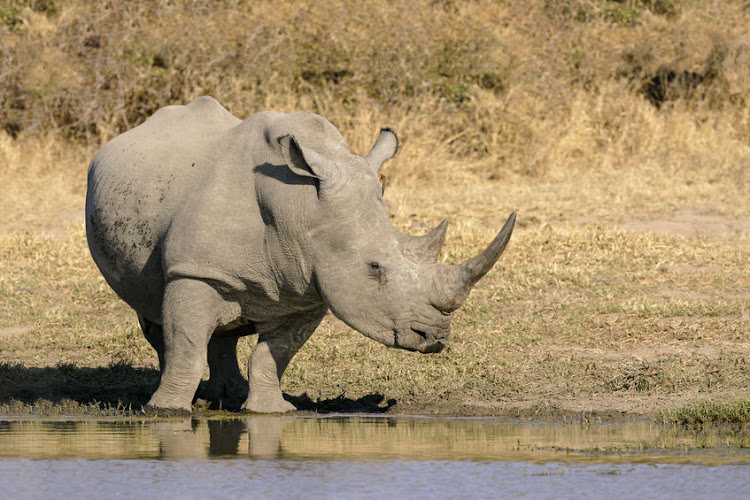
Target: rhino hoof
point(267, 405)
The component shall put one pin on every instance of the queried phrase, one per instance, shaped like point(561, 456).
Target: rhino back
point(136, 184)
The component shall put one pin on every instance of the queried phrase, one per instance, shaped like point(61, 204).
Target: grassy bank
point(619, 131)
point(706, 414)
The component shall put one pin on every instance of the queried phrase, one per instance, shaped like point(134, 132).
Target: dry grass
point(620, 131)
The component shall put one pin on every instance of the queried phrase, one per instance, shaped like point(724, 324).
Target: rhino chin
point(433, 348)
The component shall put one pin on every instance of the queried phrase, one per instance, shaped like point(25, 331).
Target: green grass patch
point(706, 414)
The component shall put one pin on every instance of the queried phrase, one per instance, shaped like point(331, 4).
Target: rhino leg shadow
point(370, 403)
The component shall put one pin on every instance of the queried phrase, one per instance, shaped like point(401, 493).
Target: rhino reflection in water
point(212, 228)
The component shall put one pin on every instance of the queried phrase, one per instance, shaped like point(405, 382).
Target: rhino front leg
point(226, 384)
point(190, 313)
point(270, 358)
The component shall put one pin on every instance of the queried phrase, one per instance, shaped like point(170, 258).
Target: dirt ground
point(704, 225)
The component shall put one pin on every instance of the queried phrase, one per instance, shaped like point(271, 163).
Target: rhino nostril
point(419, 332)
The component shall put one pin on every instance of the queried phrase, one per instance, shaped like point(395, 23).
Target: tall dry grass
point(652, 93)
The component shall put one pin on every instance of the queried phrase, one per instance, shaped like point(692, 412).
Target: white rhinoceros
point(213, 228)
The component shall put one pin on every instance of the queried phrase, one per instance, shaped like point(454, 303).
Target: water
point(364, 457)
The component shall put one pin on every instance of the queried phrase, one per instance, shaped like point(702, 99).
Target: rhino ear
point(307, 163)
point(384, 149)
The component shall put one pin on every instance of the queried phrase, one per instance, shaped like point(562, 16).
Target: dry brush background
point(619, 130)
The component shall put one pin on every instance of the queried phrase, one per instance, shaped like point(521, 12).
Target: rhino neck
point(288, 264)
point(290, 214)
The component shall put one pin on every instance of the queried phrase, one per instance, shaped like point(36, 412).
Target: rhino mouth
point(431, 348)
point(413, 339)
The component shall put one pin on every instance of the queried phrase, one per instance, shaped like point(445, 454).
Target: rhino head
point(377, 280)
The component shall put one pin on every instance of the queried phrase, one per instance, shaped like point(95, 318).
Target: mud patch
point(599, 406)
point(691, 224)
point(652, 354)
point(14, 331)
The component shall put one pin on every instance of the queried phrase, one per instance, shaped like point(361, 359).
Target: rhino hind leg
point(190, 313)
point(270, 358)
point(155, 336)
point(226, 387)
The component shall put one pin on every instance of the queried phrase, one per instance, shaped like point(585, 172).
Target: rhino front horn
point(478, 266)
point(459, 279)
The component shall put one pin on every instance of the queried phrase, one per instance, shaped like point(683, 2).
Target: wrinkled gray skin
point(212, 228)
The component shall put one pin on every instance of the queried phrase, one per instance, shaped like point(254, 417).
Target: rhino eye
point(376, 271)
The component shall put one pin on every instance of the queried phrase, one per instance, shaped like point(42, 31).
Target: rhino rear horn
point(384, 149)
point(457, 281)
point(427, 248)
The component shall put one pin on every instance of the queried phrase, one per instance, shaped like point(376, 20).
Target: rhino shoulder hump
point(205, 110)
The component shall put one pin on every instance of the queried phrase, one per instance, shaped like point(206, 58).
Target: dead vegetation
point(619, 130)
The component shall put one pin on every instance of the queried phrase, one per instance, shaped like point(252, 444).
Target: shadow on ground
point(117, 385)
point(127, 387)
point(371, 403)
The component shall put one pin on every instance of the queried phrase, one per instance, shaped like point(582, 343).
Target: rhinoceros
point(212, 228)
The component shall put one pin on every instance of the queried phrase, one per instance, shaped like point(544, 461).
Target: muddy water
point(364, 456)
